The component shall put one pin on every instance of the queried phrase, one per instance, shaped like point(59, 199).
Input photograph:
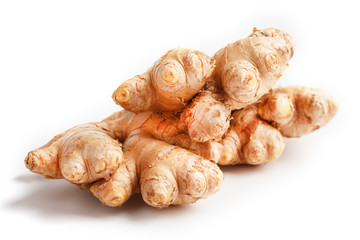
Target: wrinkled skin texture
point(162, 162)
point(245, 71)
point(250, 140)
point(167, 86)
point(77, 155)
point(297, 110)
point(165, 174)
point(255, 135)
point(201, 114)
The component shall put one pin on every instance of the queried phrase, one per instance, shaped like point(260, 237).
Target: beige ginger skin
point(184, 115)
point(250, 140)
point(297, 110)
point(168, 85)
point(255, 133)
point(164, 173)
point(245, 71)
point(160, 160)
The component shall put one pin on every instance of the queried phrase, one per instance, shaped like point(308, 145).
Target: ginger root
point(245, 71)
point(255, 133)
point(172, 81)
point(77, 155)
point(297, 110)
point(183, 116)
point(250, 140)
point(88, 155)
point(164, 173)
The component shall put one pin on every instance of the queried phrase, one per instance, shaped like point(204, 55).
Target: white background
point(61, 60)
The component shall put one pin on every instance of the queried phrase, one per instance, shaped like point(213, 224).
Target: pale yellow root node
point(170, 76)
point(226, 157)
point(250, 80)
point(284, 106)
point(73, 174)
point(100, 166)
point(122, 95)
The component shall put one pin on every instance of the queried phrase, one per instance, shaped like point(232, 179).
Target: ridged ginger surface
point(184, 115)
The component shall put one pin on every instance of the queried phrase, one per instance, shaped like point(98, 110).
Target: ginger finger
point(250, 140)
point(77, 155)
point(171, 175)
point(296, 110)
point(172, 81)
point(119, 187)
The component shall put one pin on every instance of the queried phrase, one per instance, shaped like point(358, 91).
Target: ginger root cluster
point(185, 116)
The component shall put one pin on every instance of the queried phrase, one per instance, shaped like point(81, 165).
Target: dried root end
point(32, 161)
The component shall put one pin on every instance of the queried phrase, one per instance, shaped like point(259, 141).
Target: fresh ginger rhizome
point(185, 116)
